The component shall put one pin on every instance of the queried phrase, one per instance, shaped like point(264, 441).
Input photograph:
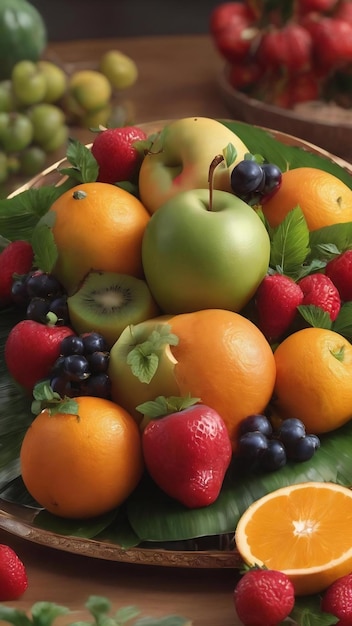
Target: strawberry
point(344, 11)
point(245, 74)
point(31, 350)
point(263, 597)
point(13, 576)
point(289, 47)
point(332, 42)
point(277, 299)
point(339, 270)
point(318, 6)
point(337, 600)
point(187, 454)
point(117, 157)
point(232, 27)
point(320, 291)
point(15, 259)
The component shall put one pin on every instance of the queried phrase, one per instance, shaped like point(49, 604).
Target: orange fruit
point(97, 226)
point(323, 198)
point(82, 465)
point(314, 379)
point(225, 360)
point(303, 530)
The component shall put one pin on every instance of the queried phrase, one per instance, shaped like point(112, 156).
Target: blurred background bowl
point(324, 125)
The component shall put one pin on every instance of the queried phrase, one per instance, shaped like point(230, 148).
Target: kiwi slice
point(107, 302)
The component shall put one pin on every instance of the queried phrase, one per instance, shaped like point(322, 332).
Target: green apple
point(180, 157)
point(199, 254)
point(133, 356)
point(28, 82)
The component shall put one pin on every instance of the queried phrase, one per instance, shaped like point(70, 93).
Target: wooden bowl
point(327, 126)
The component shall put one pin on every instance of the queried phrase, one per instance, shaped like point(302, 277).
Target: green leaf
point(327, 242)
point(230, 154)
point(290, 243)
point(144, 357)
point(44, 613)
point(20, 214)
point(87, 528)
point(315, 316)
point(85, 167)
point(262, 141)
point(14, 616)
point(343, 322)
point(307, 612)
point(162, 406)
point(171, 620)
point(44, 247)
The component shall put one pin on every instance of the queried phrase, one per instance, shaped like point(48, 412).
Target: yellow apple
point(180, 157)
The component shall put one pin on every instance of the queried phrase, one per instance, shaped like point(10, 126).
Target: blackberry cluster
point(253, 182)
point(262, 448)
point(82, 367)
point(41, 293)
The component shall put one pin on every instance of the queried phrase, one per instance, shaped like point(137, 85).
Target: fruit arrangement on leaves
point(195, 301)
point(287, 53)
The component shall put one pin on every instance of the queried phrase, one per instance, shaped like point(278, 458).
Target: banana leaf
point(149, 515)
point(260, 141)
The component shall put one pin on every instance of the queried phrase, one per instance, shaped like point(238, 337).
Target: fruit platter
point(225, 346)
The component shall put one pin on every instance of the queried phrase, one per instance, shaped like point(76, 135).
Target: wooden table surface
point(177, 77)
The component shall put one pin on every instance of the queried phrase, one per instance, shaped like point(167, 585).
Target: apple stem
point(213, 165)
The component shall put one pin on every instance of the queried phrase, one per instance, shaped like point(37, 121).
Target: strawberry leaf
point(144, 357)
point(290, 243)
point(315, 316)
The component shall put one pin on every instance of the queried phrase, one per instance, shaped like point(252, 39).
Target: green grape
point(3, 167)
point(16, 131)
point(7, 97)
point(28, 83)
point(32, 160)
point(46, 119)
point(57, 140)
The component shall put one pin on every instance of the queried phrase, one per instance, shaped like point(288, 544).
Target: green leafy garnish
point(229, 154)
point(85, 168)
point(315, 316)
point(307, 612)
point(162, 406)
point(289, 244)
point(46, 398)
point(45, 613)
point(144, 357)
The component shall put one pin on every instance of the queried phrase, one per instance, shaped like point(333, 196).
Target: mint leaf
point(343, 322)
point(315, 316)
point(144, 357)
point(46, 398)
point(290, 243)
point(85, 167)
point(328, 241)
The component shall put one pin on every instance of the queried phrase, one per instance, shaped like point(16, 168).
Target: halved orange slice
point(304, 530)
